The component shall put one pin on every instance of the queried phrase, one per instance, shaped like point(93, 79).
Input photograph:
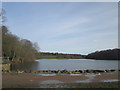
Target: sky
point(65, 27)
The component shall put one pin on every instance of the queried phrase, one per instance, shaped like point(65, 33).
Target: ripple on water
point(110, 80)
point(90, 78)
point(51, 82)
point(92, 75)
point(75, 74)
point(47, 74)
point(83, 81)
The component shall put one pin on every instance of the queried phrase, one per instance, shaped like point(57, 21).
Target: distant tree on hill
point(111, 54)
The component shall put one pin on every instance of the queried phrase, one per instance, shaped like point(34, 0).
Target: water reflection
point(47, 74)
point(51, 82)
point(110, 80)
point(27, 66)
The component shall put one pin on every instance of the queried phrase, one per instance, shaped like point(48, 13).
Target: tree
point(15, 48)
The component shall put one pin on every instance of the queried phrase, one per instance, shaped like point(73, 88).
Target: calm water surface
point(68, 64)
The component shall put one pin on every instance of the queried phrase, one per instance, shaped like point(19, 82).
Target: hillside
point(48, 55)
point(111, 54)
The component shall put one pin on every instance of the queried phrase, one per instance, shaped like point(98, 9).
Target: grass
point(50, 57)
point(47, 57)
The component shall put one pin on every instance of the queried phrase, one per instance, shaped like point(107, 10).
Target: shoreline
point(29, 80)
point(60, 71)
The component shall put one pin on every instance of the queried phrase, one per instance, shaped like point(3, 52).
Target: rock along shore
point(60, 71)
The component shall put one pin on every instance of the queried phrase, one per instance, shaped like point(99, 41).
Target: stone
point(100, 71)
point(107, 70)
point(81, 71)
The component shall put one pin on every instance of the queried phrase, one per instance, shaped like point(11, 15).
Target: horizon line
point(78, 52)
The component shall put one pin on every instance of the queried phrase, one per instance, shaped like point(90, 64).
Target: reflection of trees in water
point(27, 66)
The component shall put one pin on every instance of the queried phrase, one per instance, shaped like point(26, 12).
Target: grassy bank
point(48, 55)
point(51, 57)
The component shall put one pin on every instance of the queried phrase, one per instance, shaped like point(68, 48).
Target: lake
point(68, 64)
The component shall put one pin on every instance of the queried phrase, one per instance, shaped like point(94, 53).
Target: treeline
point(111, 54)
point(17, 49)
point(60, 55)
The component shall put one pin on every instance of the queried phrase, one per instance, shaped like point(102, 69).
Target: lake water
point(68, 64)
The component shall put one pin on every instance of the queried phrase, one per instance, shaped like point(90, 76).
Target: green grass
point(50, 57)
point(47, 57)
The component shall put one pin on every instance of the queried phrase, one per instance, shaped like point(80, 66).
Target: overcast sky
point(65, 27)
